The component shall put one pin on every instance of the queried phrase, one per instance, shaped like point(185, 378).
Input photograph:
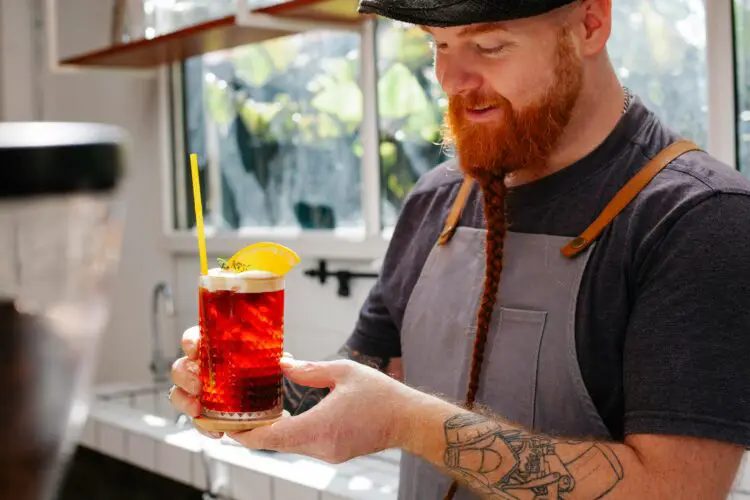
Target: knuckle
point(177, 366)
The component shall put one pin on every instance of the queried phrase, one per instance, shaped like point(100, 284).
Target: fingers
point(185, 403)
point(318, 375)
point(190, 340)
point(186, 376)
point(281, 436)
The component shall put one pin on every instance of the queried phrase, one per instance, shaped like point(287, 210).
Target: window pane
point(280, 120)
point(410, 107)
point(742, 64)
point(657, 48)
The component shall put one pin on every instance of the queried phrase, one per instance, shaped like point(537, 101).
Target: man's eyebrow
point(473, 29)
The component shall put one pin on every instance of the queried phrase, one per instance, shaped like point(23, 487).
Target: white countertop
point(137, 425)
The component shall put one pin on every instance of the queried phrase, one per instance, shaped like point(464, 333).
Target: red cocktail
point(242, 340)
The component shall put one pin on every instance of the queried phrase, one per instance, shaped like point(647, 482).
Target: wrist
point(419, 429)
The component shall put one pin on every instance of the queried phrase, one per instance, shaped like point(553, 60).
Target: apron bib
point(531, 374)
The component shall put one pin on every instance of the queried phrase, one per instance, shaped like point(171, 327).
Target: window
point(658, 49)
point(276, 127)
point(277, 124)
point(742, 74)
point(410, 110)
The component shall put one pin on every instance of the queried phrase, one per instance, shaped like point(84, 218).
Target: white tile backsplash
point(250, 485)
point(174, 462)
point(142, 451)
point(112, 441)
point(287, 490)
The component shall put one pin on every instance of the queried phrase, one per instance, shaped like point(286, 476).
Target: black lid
point(445, 13)
point(53, 158)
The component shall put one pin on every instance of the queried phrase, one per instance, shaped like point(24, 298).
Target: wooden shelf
point(215, 35)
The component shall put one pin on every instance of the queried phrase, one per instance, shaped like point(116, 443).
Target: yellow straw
point(199, 214)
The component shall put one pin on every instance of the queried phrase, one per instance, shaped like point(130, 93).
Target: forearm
point(299, 398)
point(502, 461)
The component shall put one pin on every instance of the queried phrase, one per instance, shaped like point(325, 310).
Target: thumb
point(317, 375)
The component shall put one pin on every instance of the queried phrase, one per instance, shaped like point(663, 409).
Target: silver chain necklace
point(627, 100)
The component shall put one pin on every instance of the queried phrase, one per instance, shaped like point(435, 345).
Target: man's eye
point(490, 49)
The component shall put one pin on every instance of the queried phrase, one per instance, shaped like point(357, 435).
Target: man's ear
point(591, 20)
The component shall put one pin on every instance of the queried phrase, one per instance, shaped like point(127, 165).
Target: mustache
point(476, 100)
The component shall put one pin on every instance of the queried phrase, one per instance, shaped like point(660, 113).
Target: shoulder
point(693, 183)
point(440, 179)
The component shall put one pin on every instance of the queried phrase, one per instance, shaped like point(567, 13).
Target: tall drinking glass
point(242, 341)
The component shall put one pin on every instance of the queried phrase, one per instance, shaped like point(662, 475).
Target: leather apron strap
point(621, 200)
point(451, 222)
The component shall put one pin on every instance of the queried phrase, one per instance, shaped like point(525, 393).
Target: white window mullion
point(370, 186)
point(721, 81)
point(180, 154)
point(166, 130)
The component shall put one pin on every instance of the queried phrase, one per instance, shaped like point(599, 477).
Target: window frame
point(371, 243)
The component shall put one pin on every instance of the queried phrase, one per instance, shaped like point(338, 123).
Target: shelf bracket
point(245, 16)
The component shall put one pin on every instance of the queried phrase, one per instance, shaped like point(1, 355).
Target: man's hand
point(186, 378)
point(358, 417)
point(298, 397)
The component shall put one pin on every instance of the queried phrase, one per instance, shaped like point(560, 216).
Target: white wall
point(317, 320)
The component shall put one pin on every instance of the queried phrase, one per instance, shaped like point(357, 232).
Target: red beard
point(522, 139)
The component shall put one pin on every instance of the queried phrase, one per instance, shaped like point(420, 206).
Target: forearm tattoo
point(503, 462)
point(298, 398)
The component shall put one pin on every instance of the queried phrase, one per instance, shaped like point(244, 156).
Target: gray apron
point(531, 374)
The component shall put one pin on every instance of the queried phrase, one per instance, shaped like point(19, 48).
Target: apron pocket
point(511, 364)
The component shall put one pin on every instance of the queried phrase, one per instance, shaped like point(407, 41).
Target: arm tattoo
point(298, 398)
point(508, 463)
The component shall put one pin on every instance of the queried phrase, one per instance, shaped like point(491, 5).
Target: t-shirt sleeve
point(686, 357)
point(377, 331)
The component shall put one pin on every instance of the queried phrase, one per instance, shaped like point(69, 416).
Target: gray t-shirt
point(663, 318)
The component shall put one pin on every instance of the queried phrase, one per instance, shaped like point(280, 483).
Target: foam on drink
point(253, 281)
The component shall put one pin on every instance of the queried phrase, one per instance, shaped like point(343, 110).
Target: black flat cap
point(445, 13)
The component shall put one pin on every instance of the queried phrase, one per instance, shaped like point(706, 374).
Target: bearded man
point(563, 309)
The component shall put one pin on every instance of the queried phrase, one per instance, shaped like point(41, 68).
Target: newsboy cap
point(445, 13)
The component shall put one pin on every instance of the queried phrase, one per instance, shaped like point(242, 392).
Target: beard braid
point(493, 190)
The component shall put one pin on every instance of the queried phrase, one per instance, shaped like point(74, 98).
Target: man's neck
point(597, 112)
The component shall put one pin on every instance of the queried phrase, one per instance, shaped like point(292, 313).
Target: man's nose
point(457, 78)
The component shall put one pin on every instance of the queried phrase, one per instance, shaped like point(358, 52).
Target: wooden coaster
point(215, 425)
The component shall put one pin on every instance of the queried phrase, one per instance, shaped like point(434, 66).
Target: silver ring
point(171, 391)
